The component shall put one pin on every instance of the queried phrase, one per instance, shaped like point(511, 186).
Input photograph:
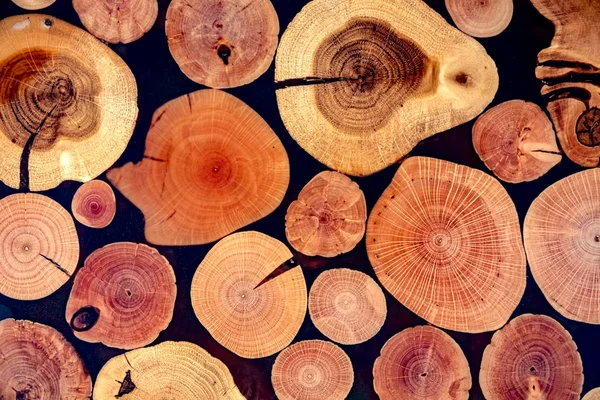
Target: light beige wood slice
point(481, 18)
point(33, 4)
point(94, 204)
point(444, 239)
point(593, 394)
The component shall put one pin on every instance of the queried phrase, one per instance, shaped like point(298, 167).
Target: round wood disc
point(240, 301)
point(516, 141)
point(123, 296)
point(33, 4)
point(444, 239)
point(122, 21)
point(593, 394)
point(68, 104)
point(39, 246)
point(329, 217)
point(211, 166)
point(362, 82)
point(312, 370)
point(169, 370)
point(222, 43)
point(562, 239)
point(481, 18)
point(533, 357)
point(347, 306)
point(422, 363)
point(94, 204)
point(36, 362)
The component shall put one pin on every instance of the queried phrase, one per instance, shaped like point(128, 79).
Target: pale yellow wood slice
point(593, 394)
point(33, 4)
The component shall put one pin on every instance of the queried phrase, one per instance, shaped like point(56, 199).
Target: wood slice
point(329, 217)
point(312, 370)
point(533, 357)
point(444, 239)
point(562, 239)
point(362, 82)
point(211, 165)
point(422, 363)
point(36, 362)
point(94, 204)
point(33, 4)
point(516, 141)
point(481, 18)
point(122, 21)
point(347, 306)
point(570, 73)
point(39, 246)
point(222, 43)
point(169, 370)
point(245, 296)
point(593, 394)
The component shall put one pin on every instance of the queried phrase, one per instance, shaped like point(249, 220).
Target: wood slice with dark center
point(481, 18)
point(94, 204)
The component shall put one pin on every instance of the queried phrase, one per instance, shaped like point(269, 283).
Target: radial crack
point(284, 267)
point(57, 265)
point(310, 80)
point(127, 386)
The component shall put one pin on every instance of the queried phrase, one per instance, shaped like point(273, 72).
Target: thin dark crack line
point(280, 270)
point(547, 152)
point(57, 265)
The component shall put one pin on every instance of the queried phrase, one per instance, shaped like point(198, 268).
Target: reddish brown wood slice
point(94, 204)
point(123, 296)
point(481, 18)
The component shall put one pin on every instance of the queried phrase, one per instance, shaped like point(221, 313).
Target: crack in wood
point(57, 265)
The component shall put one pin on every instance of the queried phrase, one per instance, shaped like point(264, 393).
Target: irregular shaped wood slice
point(123, 296)
point(347, 306)
point(312, 370)
point(362, 82)
point(169, 370)
point(33, 4)
point(68, 103)
point(222, 43)
point(211, 166)
point(36, 362)
point(533, 357)
point(329, 217)
point(94, 204)
point(570, 73)
point(421, 363)
point(562, 239)
point(593, 394)
point(122, 21)
point(245, 296)
point(39, 248)
point(516, 141)
point(481, 18)
point(444, 239)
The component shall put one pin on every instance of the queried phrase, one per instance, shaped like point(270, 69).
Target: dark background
point(160, 79)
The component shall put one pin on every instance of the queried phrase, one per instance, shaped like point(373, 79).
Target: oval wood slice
point(246, 295)
point(593, 394)
point(562, 239)
point(94, 204)
point(169, 370)
point(329, 217)
point(211, 165)
point(39, 246)
point(68, 104)
point(123, 296)
point(222, 43)
point(355, 78)
point(36, 362)
point(33, 4)
point(570, 73)
point(533, 357)
point(516, 141)
point(422, 363)
point(312, 370)
point(444, 239)
point(347, 306)
point(122, 21)
point(481, 18)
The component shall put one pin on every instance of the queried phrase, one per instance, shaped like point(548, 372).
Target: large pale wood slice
point(593, 394)
point(33, 4)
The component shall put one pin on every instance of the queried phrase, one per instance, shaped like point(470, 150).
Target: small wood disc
point(222, 43)
point(36, 362)
point(445, 240)
point(593, 394)
point(235, 291)
point(329, 217)
point(39, 247)
point(122, 21)
point(94, 204)
point(533, 357)
point(562, 239)
point(347, 306)
point(312, 370)
point(123, 296)
point(481, 18)
point(516, 141)
point(33, 4)
point(422, 363)
point(169, 370)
